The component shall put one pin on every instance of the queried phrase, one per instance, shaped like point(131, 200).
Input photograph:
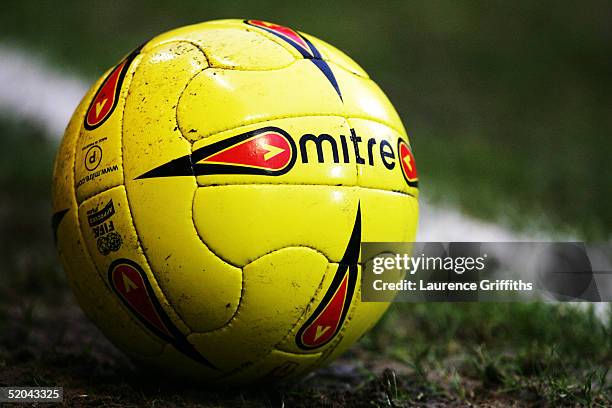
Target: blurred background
point(507, 104)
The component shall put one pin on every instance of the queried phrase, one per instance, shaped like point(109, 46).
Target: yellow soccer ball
point(211, 194)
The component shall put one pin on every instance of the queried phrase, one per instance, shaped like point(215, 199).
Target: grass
point(30, 264)
point(419, 355)
point(506, 103)
point(553, 354)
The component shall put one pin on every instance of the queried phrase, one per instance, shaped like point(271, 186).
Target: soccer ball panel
point(206, 292)
point(217, 100)
point(98, 161)
point(278, 289)
point(109, 235)
point(90, 290)
point(96, 298)
point(203, 289)
point(388, 216)
point(258, 219)
point(150, 128)
point(387, 172)
point(230, 45)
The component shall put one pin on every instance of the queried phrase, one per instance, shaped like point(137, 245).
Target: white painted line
point(447, 224)
point(34, 91)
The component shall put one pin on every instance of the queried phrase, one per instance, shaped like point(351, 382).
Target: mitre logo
point(271, 151)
